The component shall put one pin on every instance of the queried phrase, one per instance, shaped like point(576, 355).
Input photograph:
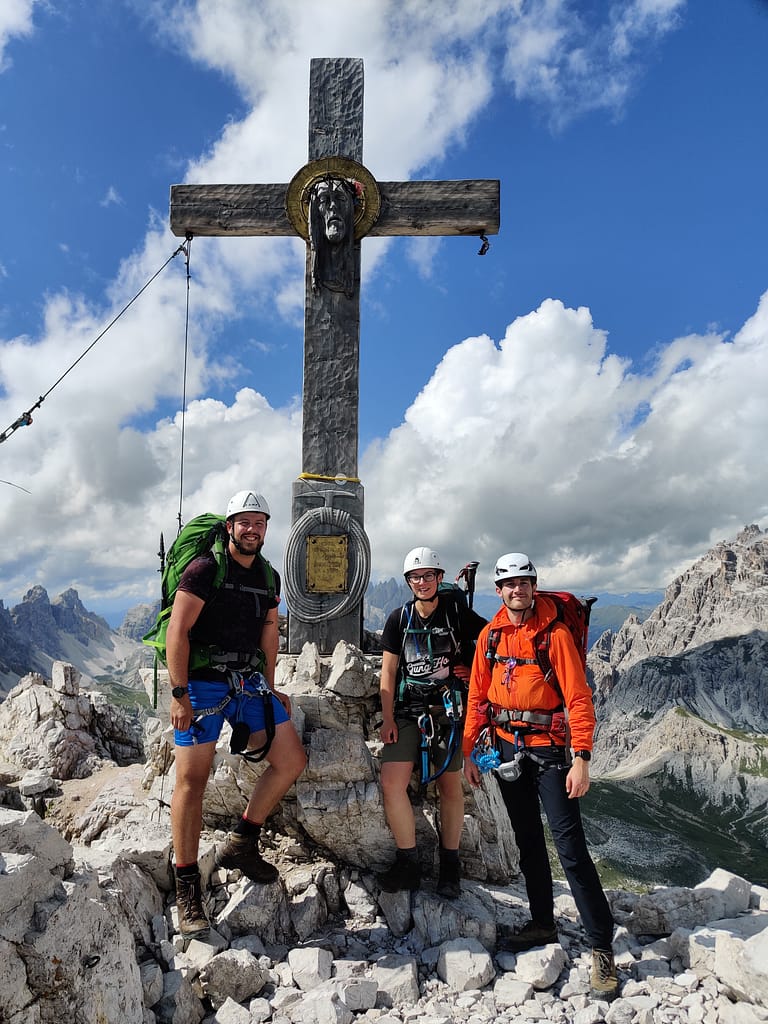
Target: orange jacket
point(527, 689)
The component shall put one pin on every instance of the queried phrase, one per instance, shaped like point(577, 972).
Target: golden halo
point(297, 196)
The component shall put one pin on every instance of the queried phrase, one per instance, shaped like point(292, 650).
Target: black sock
point(187, 871)
point(410, 855)
point(247, 829)
point(449, 856)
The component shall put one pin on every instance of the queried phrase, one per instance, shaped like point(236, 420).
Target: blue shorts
point(242, 707)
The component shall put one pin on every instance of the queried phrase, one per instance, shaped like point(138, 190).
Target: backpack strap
point(269, 573)
point(541, 646)
point(492, 645)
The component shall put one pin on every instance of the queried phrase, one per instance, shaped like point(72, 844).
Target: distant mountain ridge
point(38, 631)
point(682, 699)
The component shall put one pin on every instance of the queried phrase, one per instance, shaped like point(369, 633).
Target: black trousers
point(544, 780)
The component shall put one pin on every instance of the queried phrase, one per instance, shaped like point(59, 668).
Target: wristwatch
point(179, 691)
point(585, 755)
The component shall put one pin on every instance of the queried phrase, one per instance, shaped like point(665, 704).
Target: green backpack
point(205, 534)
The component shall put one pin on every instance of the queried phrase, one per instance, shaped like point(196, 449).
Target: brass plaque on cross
point(327, 564)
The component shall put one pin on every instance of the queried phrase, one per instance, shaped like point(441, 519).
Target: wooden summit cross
point(327, 556)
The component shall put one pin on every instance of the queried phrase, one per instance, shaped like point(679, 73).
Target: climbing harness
point(240, 730)
point(454, 709)
point(420, 697)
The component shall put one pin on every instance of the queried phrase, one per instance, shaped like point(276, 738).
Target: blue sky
point(590, 391)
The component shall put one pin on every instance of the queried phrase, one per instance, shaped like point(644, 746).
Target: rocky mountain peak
point(34, 620)
point(72, 616)
point(682, 698)
point(138, 620)
point(38, 631)
point(723, 594)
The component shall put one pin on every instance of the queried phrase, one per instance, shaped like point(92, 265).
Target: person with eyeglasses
point(528, 710)
point(428, 645)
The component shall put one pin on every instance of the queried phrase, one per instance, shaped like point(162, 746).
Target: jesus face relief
point(335, 205)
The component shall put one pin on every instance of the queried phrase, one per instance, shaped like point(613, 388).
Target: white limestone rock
point(357, 994)
point(350, 675)
point(465, 964)
point(308, 911)
point(18, 998)
point(722, 895)
point(179, 1004)
point(320, 1007)
point(542, 966)
point(472, 915)
point(235, 974)
point(258, 909)
point(310, 966)
point(56, 729)
point(231, 1012)
point(509, 991)
point(35, 782)
point(397, 980)
point(359, 901)
point(151, 982)
point(743, 965)
point(396, 908)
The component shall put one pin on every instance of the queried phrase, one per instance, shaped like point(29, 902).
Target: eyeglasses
point(419, 577)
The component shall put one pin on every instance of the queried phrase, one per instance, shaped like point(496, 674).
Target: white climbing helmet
point(513, 564)
point(421, 558)
point(247, 501)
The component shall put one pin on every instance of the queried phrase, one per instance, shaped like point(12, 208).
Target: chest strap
point(238, 661)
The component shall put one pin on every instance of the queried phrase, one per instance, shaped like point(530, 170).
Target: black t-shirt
point(430, 649)
point(234, 613)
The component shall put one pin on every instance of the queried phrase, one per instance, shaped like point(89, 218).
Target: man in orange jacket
point(524, 714)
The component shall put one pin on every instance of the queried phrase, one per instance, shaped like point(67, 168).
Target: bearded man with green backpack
point(220, 641)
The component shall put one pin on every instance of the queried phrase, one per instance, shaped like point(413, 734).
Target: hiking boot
point(189, 902)
point(603, 980)
point(530, 935)
point(448, 880)
point(405, 874)
point(242, 853)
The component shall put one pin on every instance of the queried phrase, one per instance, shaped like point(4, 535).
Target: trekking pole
point(161, 570)
point(468, 574)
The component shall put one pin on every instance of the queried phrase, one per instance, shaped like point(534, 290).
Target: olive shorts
point(408, 745)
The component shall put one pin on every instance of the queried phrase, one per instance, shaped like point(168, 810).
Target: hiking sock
point(247, 829)
point(404, 874)
point(187, 871)
point(449, 877)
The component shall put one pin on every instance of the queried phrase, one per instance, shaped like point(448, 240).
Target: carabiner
point(426, 725)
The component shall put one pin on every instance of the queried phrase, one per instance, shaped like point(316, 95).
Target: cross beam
point(468, 207)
